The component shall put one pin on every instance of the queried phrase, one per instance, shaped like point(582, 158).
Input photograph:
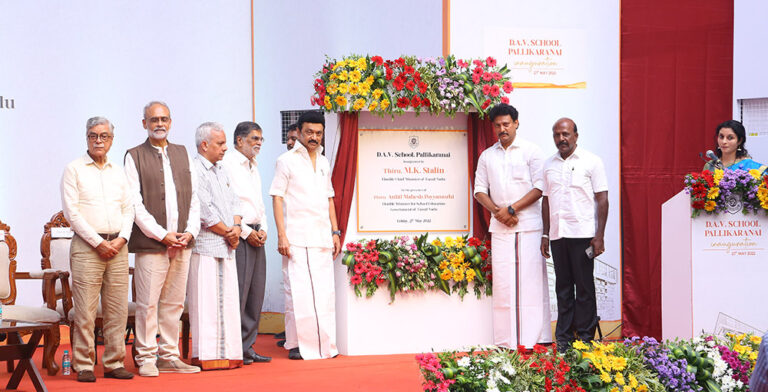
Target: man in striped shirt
point(214, 300)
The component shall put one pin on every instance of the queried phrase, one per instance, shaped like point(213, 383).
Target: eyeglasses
point(257, 138)
point(104, 136)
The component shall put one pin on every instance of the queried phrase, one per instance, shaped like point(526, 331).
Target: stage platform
point(357, 373)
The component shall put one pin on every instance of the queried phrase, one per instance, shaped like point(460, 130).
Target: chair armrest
point(46, 274)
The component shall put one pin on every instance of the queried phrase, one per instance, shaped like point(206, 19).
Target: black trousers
point(575, 288)
point(251, 278)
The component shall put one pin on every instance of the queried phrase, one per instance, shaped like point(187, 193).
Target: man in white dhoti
point(309, 237)
point(508, 183)
point(214, 300)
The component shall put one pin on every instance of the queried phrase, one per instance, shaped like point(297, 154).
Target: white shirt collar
point(88, 160)
point(298, 147)
point(241, 159)
point(206, 163)
point(574, 154)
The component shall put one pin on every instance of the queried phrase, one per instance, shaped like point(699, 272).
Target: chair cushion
point(60, 258)
point(30, 314)
point(60, 310)
point(5, 276)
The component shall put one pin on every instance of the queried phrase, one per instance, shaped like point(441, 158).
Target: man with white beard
point(167, 221)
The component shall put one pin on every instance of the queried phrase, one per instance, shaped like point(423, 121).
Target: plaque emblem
point(413, 141)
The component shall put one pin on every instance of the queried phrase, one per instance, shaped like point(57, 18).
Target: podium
point(714, 271)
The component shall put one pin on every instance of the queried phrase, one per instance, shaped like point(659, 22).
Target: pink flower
point(504, 100)
point(496, 76)
point(490, 61)
point(478, 63)
point(486, 89)
point(463, 64)
point(487, 76)
point(356, 280)
point(508, 87)
point(495, 91)
point(476, 78)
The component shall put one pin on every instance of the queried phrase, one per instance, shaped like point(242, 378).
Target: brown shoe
point(86, 376)
point(119, 373)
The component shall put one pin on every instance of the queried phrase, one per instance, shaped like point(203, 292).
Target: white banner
point(412, 181)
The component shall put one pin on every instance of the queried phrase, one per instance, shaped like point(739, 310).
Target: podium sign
point(714, 270)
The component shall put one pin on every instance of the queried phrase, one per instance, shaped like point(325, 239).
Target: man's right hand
point(545, 247)
point(283, 246)
point(105, 250)
point(172, 239)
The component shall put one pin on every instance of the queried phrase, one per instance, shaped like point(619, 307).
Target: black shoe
point(256, 357)
point(563, 347)
point(280, 336)
point(280, 343)
point(86, 376)
point(246, 360)
point(119, 373)
point(294, 354)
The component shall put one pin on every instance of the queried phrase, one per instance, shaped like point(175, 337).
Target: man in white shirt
point(575, 191)
point(97, 203)
point(309, 237)
point(251, 259)
point(167, 221)
point(291, 136)
point(508, 183)
point(214, 301)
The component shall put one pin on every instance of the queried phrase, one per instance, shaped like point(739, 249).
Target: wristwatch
point(511, 210)
point(336, 232)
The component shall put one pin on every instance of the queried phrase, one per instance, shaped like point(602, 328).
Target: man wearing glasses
point(251, 260)
point(167, 221)
point(97, 203)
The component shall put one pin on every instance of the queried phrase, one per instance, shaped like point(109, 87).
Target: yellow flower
point(377, 93)
point(343, 75)
point(460, 242)
point(343, 88)
point(341, 100)
point(713, 193)
point(633, 381)
point(458, 275)
point(627, 388)
point(605, 377)
point(373, 106)
point(359, 104)
point(354, 89)
point(385, 104)
point(449, 242)
point(331, 88)
point(446, 274)
point(739, 348)
point(718, 176)
point(362, 63)
point(444, 264)
point(369, 80)
point(328, 105)
point(753, 356)
point(364, 88)
point(355, 76)
point(614, 389)
point(579, 345)
point(334, 76)
point(619, 363)
point(327, 100)
point(710, 205)
point(436, 241)
point(756, 339)
point(642, 388)
point(755, 173)
point(470, 275)
point(619, 378)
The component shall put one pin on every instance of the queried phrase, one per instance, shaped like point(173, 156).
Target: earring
point(738, 149)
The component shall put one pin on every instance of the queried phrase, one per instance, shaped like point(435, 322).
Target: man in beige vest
point(167, 221)
point(97, 203)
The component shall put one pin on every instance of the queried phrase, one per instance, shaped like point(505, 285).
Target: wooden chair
point(42, 314)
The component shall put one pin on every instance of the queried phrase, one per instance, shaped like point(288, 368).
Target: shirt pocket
point(518, 170)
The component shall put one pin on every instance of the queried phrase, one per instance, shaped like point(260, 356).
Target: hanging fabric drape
point(345, 169)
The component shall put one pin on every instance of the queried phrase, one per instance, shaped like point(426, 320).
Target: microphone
point(711, 155)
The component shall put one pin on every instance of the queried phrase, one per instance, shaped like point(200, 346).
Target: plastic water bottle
point(66, 366)
point(1, 312)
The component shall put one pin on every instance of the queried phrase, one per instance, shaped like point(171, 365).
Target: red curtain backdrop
point(676, 86)
point(480, 136)
point(345, 170)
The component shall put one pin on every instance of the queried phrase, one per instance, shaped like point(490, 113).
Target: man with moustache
point(214, 306)
point(574, 183)
point(309, 238)
point(508, 183)
point(245, 180)
point(97, 203)
point(167, 220)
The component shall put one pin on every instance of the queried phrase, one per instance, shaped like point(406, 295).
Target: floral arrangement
point(705, 363)
point(727, 190)
point(387, 87)
point(407, 264)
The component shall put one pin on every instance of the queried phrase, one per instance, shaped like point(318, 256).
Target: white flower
point(463, 362)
